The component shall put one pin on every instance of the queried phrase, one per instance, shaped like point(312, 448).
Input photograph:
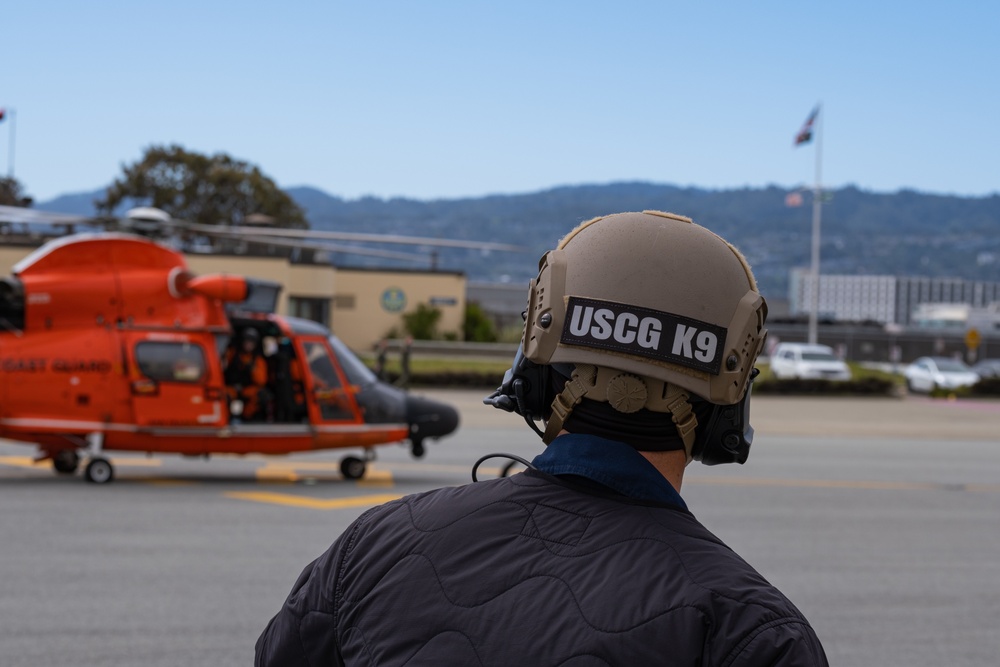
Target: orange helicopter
point(108, 342)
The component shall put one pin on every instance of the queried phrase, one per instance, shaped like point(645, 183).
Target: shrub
point(867, 386)
point(422, 322)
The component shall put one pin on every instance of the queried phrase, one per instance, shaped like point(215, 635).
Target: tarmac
point(910, 416)
point(878, 517)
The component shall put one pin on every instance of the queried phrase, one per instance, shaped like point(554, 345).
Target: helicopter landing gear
point(99, 470)
point(417, 447)
point(66, 461)
point(351, 467)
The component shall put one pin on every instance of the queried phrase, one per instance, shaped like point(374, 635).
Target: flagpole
point(817, 203)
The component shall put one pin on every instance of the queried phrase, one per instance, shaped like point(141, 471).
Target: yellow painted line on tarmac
point(376, 479)
point(301, 465)
point(845, 484)
point(137, 463)
point(276, 474)
point(441, 467)
point(296, 472)
point(289, 500)
point(29, 462)
point(24, 462)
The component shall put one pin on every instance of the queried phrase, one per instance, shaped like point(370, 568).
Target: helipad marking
point(295, 472)
point(289, 500)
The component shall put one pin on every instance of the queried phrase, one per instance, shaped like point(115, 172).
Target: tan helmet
point(649, 308)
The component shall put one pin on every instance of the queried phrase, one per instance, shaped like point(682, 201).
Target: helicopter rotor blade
point(153, 221)
point(336, 247)
point(28, 216)
point(239, 231)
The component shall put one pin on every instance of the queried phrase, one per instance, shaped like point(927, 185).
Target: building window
point(310, 308)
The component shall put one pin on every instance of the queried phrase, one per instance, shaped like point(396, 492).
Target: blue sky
point(450, 99)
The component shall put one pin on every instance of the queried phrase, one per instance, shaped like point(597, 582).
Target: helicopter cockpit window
point(170, 362)
point(357, 373)
point(330, 395)
point(323, 372)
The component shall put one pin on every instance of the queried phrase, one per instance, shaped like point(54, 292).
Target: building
point(959, 316)
point(368, 304)
point(502, 302)
point(881, 298)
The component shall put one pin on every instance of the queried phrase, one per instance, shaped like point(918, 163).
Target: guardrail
point(446, 348)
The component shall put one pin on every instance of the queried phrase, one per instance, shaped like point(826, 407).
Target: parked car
point(987, 368)
point(929, 373)
point(805, 361)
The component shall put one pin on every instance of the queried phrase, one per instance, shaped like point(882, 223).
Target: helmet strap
point(585, 379)
point(683, 415)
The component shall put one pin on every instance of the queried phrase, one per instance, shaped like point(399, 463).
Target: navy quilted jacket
point(533, 570)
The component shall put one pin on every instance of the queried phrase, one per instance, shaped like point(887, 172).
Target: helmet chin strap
point(626, 393)
point(684, 418)
point(577, 387)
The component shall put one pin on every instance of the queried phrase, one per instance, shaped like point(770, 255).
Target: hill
point(905, 233)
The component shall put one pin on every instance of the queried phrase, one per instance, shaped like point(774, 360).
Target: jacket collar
point(611, 464)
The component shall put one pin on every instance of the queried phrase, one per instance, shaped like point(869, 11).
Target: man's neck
point(670, 464)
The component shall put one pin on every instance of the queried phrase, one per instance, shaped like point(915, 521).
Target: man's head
point(249, 339)
point(645, 325)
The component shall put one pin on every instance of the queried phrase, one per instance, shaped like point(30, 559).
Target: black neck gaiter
point(645, 430)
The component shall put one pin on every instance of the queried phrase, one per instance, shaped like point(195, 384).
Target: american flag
point(805, 135)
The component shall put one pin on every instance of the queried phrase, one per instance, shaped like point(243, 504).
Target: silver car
point(929, 373)
point(987, 368)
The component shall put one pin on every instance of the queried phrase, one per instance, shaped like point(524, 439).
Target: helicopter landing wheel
point(417, 448)
point(99, 471)
point(66, 461)
point(351, 467)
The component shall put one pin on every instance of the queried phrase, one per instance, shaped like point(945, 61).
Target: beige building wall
point(367, 304)
point(11, 255)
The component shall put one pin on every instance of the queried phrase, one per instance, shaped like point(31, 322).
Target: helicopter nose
point(429, 418)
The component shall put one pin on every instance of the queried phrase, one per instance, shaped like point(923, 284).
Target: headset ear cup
point(726, 435)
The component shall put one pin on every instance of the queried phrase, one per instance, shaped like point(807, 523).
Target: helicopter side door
point(173, 382)
point(329, 399)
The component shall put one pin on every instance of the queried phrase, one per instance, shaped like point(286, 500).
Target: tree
point(12, 194)
point(422, 322)
point(477, 326)
point(199, 188)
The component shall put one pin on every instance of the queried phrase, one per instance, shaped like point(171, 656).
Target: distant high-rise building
point(884, 299)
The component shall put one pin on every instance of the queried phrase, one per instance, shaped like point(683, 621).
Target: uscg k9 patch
point(644, 332)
